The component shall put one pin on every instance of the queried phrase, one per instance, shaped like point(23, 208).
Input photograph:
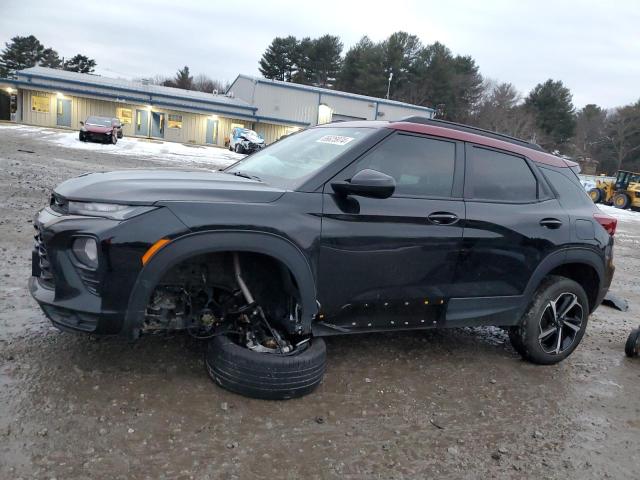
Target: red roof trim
point(535, 155)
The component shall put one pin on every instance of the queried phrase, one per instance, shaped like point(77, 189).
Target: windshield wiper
point(246, 175)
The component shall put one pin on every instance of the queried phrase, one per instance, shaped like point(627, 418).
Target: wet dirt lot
point(446, 404)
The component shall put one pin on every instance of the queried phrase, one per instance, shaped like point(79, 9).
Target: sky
point(592, 46)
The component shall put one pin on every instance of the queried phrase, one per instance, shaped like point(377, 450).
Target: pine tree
point(551, 104)
point(50, 59)
point(183, 79)
point(79, 63)
point(325, 61)
point(363, 69)
point(280, 59)
point(20, 53)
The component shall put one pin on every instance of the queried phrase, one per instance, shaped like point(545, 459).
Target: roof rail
point(471, 129)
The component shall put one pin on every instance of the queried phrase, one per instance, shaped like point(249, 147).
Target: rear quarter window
point(570, 191)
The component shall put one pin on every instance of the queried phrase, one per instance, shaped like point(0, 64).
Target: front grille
point(46, 277)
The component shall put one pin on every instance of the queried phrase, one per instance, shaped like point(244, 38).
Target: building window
point(124, 114)
point(174, 121)
point(40, 103)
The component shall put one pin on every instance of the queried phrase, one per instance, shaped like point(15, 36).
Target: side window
point(421, 167)
point(500, 177)
point(571, 193)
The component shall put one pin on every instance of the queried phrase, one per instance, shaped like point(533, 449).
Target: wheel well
point(583, 274)
point(269, 280)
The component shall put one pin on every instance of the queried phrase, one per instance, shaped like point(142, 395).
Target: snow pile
point(213, 157)
point(622, 215)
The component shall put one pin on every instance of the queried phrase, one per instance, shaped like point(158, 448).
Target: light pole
point(389, 83)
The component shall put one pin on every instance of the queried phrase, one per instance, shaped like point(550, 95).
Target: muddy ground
point(445, 404)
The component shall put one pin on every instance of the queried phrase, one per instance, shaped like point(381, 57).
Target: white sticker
point(334, 139)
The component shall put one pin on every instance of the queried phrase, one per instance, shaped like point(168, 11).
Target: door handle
point(551, 223)
point(443, 218)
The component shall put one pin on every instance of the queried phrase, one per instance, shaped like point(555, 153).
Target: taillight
point(607, 222)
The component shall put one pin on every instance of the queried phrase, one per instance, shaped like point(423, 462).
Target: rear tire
point(554, 323)
point(267, 376)
point(596, 195)
point(239, 148)
point(621, 200)
point(632, 347)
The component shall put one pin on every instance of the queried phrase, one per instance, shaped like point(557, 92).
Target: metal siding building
point(312, 105)
point(57, 98)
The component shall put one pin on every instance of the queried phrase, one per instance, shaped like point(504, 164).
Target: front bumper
point(92, 301)
point(76, 314)
point(96, 137)
point(67, 293)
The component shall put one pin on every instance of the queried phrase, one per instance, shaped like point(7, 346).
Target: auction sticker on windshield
point(334, 139)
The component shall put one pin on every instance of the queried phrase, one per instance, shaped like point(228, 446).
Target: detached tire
point(554, 323)
point(632, 347)
point(265, 376)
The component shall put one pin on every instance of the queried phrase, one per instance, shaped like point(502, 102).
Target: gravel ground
point(446, 404)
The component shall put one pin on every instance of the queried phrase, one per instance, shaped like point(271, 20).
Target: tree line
point(25, 52)
point(405, 69)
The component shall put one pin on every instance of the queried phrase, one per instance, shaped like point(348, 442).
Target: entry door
point(212, 131)
point(157, 124)
point(63, 118)
point(389, 263)
point(142, 123)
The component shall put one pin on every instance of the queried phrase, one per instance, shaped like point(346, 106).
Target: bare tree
point(204, 83)
point(500, 110)
point(623, 132)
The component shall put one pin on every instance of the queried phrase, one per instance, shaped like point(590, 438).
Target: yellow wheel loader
point(623, 192)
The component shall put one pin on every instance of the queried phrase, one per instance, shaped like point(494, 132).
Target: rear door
point(513, 222)
point(389, 263)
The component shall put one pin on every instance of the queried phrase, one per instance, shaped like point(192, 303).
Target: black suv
point(342, 228)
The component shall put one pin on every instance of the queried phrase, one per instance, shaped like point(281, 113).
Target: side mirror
point(367, 183)
point(82, 124)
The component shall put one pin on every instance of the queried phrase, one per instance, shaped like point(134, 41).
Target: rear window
point(497, 176)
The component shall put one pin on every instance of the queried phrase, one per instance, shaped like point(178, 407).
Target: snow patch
point(621, 215)
point(212, 157)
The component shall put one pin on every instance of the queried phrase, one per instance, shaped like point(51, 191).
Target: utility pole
point(389, 83)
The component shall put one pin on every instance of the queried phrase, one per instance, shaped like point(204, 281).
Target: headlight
point(86, 251)
point(108, 210)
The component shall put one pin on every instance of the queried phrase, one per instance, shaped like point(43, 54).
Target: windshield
point(292, 160)
point(98, 121)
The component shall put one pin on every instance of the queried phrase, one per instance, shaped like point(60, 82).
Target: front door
point(212, 131)
point(389, 263)
point(157, 124)
point(63, 117)
point(142, 123)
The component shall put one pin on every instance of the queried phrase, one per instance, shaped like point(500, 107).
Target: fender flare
point(195, 244)
point(581, 255)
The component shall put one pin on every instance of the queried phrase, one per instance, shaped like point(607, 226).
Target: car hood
point(97, 128)
point(147, 187)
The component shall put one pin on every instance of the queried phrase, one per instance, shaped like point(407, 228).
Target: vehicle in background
point(99, 129)
point(623, 191)
point(118, 124)
point(243, 140)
